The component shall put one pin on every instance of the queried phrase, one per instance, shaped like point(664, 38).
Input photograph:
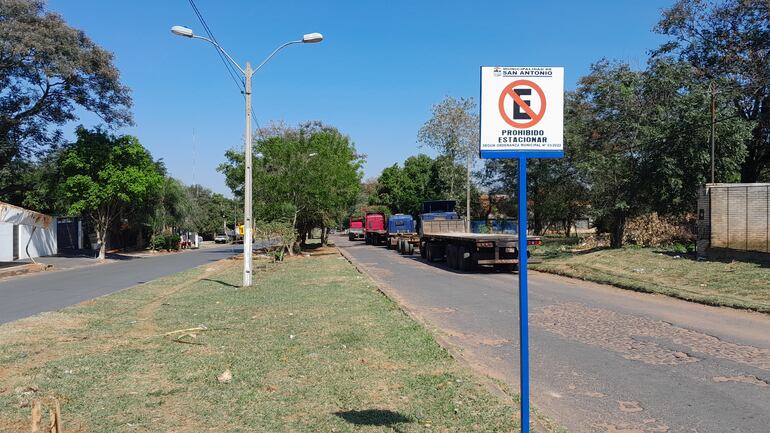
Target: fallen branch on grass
point(179, 340)
point(197, 328)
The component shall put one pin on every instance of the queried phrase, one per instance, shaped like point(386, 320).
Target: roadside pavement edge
point(455, 352)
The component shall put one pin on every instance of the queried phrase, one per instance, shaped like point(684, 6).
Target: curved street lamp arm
point(219, 47)
point(274, 52)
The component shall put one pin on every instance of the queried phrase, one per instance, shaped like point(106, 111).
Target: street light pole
point(247, 225)
point(247, 190)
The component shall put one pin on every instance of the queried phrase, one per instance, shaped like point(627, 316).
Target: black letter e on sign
point(517, 113)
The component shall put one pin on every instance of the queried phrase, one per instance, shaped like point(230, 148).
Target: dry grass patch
point(738, 284)
point(312, 347)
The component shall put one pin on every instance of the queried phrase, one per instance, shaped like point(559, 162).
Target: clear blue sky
point(375, 76)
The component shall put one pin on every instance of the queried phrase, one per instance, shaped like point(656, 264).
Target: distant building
point(733, 217)
point(25, 233)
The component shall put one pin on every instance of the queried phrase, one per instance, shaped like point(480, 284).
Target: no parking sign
point(522, 112)
point(522, 116)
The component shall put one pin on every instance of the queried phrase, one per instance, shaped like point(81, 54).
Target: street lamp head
point(312, 38)
point(182, 31)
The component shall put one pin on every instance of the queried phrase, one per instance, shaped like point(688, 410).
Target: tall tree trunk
point(294, 224)
point(617, 229)
point(324, 236)
point(101, 223)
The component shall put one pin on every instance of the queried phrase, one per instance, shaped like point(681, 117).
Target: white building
point(25, 233)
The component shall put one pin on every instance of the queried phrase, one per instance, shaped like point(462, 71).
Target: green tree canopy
point(309, 176)
point(728, 43)
point(47, 71)
point(105, 176)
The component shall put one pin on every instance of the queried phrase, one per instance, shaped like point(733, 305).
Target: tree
point(556, 190)
point(208, 210)
point(403, 190)
point(103, 176)
point(728, 42)
point(48, 70)
point(604, 123)
point(676, 155)
point(170, 207)
point(453, 131)
point(641, 140)
point(309, 176)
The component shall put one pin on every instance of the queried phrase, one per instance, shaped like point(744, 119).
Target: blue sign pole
point(523, 302)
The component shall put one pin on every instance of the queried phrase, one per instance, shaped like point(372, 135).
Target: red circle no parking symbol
point(523, 114)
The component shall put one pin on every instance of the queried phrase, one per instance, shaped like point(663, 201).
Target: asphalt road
point(602, 359)
point(28, 295)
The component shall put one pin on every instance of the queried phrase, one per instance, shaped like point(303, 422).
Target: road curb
point(455, 352)
point(27, 269)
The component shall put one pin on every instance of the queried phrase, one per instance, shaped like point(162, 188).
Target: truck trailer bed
point(476, 236)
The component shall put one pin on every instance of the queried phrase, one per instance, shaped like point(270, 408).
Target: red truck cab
point(356, 230)
point(374, 228)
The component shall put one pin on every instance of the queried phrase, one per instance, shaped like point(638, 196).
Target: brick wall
point(735, 216)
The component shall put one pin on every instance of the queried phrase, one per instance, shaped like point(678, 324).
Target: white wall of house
point(6, 242)
point(43, 241)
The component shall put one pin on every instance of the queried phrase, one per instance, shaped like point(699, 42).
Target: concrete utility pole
point(247, 74)
point(247, 224)
point(713, 127)
point(468, 194)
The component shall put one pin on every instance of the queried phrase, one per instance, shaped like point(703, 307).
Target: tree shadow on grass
point(374, 417)
point(723, 256)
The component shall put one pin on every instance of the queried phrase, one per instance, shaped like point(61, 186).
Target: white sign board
point(522, 112)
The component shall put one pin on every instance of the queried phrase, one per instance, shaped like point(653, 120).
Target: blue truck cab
point(400, 223)
point(439, 210)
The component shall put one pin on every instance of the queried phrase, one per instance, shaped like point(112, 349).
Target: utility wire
point(233, 74)
point(239, 82)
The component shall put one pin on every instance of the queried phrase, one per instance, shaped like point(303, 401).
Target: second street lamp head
point(182, 31)
point(312, 38)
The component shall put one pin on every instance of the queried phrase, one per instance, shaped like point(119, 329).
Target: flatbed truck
point(443, 236)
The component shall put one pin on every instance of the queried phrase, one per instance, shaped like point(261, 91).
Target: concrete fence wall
point(735, 217)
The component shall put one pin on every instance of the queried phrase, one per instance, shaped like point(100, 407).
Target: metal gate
point(67, 233)
point(16, 242)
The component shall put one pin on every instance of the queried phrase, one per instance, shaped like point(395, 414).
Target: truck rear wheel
point(451, 256)
point(463, 264)
point(409, 249)
point(423, 250)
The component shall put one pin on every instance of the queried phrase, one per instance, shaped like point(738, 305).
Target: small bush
point(681, 248)
point(173, 242)
point(158, 242)
point(166, 242)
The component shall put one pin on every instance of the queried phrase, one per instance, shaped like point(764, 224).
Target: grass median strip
point(312, 347)
point(738, 284)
